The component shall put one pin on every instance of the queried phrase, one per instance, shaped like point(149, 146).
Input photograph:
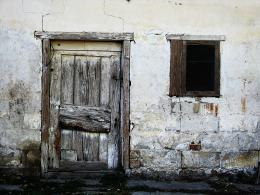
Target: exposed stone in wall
point(200, 159)
point(30, 156)
point(14, 144)
point(233, 160)
point(135, 159)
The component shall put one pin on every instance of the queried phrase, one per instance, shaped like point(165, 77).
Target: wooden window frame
point(178, 64)
point(125, 39)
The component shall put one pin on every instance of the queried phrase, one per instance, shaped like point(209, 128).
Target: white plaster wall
point(157, 121)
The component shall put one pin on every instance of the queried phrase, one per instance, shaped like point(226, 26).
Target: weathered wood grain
point(45, 104)
point(97, 36)
point(103, 141)
point(85, 118)
point(67, 79)
point(87, 47)
point(91, 147)
point(94, 80)
point(105, 81)
point(62, 91)
point(54, 152)
point(77, 144)
point(125, 105)
point(113, 137)
point(104, 101)
point(69, 155)
point(81, 86)
point(89, 53)
point(66, 139)
point(176, 68)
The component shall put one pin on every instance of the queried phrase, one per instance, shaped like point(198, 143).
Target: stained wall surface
point(161, 127)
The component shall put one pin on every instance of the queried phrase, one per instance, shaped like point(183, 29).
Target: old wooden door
point(84, 105)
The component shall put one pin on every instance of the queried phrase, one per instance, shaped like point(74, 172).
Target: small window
point(195, 68)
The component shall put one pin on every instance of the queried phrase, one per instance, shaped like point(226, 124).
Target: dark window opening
point(200, 67)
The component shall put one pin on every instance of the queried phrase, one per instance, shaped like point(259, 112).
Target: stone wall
point(162, 128)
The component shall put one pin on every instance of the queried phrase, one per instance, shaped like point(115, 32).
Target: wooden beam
point(45, 108)
point(85, 118)
point(97, 36)
point(125, 104)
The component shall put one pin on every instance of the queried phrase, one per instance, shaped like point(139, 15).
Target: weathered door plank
point(105, 81)
point(66, 139)
point(77, 144)
point(104, 101)
point(94, 79)
point(54, 111)
point(46, 49)
point(67, 79)
point(91, 146)
point(103, 141)
point(113, 137)
point(81, 86)
point(69, 155)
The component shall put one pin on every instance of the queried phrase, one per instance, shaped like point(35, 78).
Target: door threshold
point(77, 175)
point(82, 166)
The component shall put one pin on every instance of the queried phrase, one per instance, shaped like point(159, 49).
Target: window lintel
point(186, 37)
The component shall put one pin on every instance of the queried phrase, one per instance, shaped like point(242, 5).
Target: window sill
point(201, 94)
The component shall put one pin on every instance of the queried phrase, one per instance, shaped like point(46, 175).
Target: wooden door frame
point(125, 39)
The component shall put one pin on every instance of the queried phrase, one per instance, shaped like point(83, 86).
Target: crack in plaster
point(114, 16)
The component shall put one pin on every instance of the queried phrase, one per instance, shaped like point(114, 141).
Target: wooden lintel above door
point(96, 36)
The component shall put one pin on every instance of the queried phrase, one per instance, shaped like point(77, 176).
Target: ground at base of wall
point(117, 183)
point(235, 175)
point(41, 186)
